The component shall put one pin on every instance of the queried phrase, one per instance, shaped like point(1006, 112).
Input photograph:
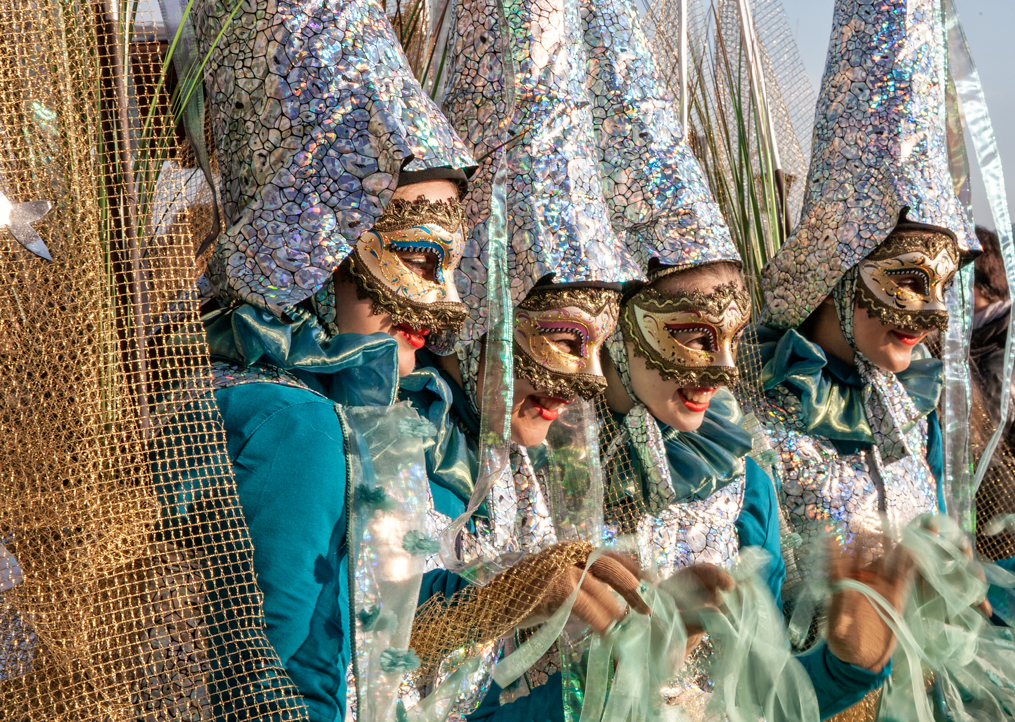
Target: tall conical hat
point(659, 203)
point(557, 218)
point(880, 144)
point(317, 120)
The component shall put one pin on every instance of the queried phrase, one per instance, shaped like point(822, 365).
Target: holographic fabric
point(315, 114)
point(880, 143)
point(557, 217)
point(659, 203)
point(821, 489)
point(693, 532)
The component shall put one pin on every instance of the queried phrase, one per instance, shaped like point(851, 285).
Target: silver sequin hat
point(557, 217)
point(316, 116)
point(659, 203)
point(880, 143)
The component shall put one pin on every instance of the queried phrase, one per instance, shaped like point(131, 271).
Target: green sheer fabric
point(831, 408)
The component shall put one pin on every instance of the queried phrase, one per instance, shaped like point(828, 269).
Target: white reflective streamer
point(977, 118)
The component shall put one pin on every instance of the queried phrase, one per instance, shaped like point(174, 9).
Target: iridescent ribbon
point(977, 122)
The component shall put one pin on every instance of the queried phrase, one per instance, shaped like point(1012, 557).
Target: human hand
point(697, 590)
point(595, 604)
point(856, 632)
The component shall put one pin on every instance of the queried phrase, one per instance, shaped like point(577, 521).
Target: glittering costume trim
point(401, 214)
point(564, 386)
point(590, 299)
point(443, 316)
point(479, 614)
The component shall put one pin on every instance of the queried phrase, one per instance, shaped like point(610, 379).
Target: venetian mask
point(588, 314)
point(903, 282)
point(654, 324)
point(435, 229)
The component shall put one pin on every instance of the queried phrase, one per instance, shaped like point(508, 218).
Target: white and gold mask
point(588, 313)
point(903, 282)
point(418, 227)
point(652, 322)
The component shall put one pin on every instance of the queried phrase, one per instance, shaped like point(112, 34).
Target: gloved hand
point(595, 604)
point(696, 589)
point(856, 632)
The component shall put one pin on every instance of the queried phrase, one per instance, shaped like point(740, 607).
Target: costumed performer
point(850, 391)
point(678, 472)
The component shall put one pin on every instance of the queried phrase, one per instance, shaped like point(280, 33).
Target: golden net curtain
point(138, 600)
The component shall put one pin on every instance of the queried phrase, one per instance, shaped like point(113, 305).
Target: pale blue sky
point(990, 28)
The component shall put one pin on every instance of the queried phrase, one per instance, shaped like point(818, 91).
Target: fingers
point(712, 579)
point(840, 561)
point(591, 611)
point(603, 597)
point(614, 570)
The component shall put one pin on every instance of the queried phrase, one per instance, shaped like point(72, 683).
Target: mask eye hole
point(422, 263)
point(912, 280)
point(697, 338)
point(565, 341)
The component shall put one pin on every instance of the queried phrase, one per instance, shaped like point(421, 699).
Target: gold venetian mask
point(422, 294)
point(658, 324)
point(903, 282)
point(588, 314)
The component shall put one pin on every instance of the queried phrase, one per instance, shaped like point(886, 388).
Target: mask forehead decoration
point(421, 293)
point(587, 315)
point(653, 323)
point(903, 282)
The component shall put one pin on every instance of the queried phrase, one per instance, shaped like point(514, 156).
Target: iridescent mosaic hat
point(317, 120)
point(880, 144)
point(659, 203)
point(557, 217)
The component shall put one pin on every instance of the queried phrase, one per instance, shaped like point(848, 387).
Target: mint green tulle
point(754, 674)
point(832, 408)
point(972, 661)
point(647, 650)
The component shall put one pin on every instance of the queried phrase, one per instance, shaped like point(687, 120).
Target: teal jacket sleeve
point(936, 456)
point(758, 524)
point(543, 704)
point(838, 685)
point(287, 450)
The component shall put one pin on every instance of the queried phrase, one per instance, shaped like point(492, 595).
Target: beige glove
point(856, 632)
point(595, 604)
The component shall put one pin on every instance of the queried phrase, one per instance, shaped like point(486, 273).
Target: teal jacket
point(288, 453)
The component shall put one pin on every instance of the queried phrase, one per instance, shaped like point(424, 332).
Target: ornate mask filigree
point(422, 226)
point(589, 314)
point(653, 322)
point(903, 282)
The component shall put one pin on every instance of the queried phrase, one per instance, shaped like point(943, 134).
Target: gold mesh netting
point(138, 600)
point(480, 614)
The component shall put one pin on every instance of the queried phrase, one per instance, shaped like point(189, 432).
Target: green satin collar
point(705, 460)
point(830, 392)
point(349, 368)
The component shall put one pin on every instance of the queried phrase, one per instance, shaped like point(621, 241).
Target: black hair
point(988, 268)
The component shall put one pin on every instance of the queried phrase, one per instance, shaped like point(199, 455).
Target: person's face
point(677, 405)
point(533, 410)
point(357, 315)
point(887, 346)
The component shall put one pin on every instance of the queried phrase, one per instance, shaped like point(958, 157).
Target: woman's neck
point(822, 328)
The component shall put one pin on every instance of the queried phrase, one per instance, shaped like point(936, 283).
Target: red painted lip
point(908, 339)
point(415, 336)
point(694, 405)
point(547, 413)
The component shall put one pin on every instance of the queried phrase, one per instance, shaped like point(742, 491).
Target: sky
point(990, 29)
